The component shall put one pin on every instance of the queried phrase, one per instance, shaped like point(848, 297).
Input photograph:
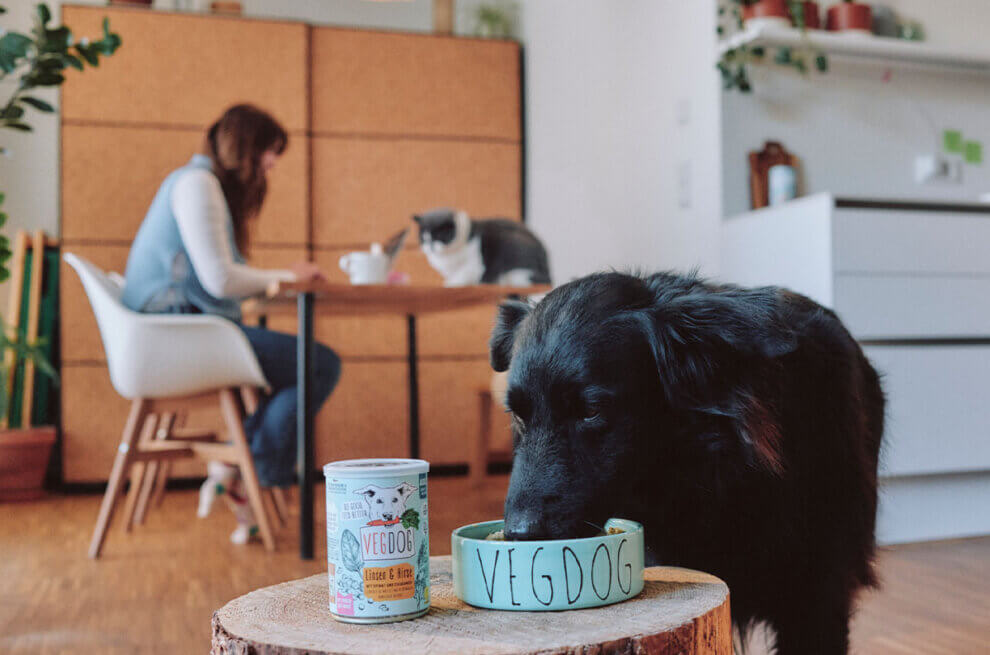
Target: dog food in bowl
point(559, 574)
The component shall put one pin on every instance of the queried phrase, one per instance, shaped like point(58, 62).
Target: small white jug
point(366, 267)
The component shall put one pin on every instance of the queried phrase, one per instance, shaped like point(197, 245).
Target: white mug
point(366, 267)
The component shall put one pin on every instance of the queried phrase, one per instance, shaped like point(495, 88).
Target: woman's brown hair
point(235, 144)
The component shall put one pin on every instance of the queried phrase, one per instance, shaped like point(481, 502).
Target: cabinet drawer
point(938, 408)
point(898, 241)
point(907, 306)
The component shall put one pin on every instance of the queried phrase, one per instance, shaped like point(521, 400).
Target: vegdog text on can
point(378, 539)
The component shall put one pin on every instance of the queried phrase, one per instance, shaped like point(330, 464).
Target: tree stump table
point(679, 612)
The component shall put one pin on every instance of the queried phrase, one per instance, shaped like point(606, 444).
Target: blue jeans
point(272, 429)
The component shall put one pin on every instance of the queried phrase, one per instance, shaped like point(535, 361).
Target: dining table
point(345, 300)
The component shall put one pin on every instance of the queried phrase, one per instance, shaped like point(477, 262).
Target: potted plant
point(850, 16)
point(736, 56)
point(766, 13)
point(31, 61)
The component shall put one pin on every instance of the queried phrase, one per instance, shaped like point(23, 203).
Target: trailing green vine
point(734, 62)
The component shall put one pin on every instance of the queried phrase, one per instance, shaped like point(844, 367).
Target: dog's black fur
point(741, 426)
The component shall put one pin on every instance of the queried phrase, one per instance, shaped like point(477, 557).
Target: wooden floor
point(155, 590)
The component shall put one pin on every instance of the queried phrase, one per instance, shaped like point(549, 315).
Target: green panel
point(43, 412)
point(974, 152)
point(952, 140)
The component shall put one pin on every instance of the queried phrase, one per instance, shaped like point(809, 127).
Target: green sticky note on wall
point(952, 141)
point(974, 152)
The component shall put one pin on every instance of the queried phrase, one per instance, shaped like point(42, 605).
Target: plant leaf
point(350, 550)
point(40, 105)
point(88, 53)
point(15, 44)
point(20, 127)
point(44, 14)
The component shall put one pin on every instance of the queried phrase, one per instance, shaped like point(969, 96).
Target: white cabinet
point(912, 283)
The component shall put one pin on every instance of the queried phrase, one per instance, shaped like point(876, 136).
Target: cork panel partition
point(409, 84)
point(367, 189)
point(367, 415)
point(451, 410)
point(184, 69)
point(93, 418)
point(110, 175)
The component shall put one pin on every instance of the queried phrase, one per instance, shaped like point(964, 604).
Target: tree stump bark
point(679, 612)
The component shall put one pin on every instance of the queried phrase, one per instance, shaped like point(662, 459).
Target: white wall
point(858, 128)
point(603, 84)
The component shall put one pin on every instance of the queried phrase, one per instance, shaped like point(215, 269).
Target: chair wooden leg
point(249, 396)
point(479, 467)
point(280, 504)
point(138, 469)
point(165, 468)
point(235, 427)
point(151, 474)
point(121, 464)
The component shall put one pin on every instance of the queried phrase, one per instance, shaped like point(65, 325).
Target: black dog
point(740, 426)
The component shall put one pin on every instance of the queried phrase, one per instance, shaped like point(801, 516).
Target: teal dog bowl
point(561, 574)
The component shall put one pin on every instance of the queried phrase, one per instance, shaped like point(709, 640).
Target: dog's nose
point(525, 527)
point(387, 517)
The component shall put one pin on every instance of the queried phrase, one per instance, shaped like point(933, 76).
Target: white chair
point(164, 364)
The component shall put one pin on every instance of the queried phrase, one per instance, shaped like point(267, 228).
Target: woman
point(186, 258)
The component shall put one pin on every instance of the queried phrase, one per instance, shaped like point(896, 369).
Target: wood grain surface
point(678, 611)
point(154, 590)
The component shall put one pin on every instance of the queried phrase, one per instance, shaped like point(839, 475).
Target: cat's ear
point(510, 315)
point(418, 219)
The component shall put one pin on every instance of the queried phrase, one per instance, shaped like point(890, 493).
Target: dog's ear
point(510, 314)
point(368, 492)
point(708, 348)
point(405, 489)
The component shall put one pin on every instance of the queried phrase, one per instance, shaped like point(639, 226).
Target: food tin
point(378, 539)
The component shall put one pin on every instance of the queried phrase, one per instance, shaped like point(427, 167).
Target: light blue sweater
point(159, 276)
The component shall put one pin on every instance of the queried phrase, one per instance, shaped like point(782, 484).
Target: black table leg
point(304, 423)
point(413, 389)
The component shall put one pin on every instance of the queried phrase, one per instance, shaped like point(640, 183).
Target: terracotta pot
point(850, 16)
point(812, 16)
point(131, 3)
point(766, 9)
point(23, 459)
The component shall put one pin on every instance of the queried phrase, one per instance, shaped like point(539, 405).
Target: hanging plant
point(734, 62)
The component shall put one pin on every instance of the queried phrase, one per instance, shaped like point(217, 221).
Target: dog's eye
point(590, 413)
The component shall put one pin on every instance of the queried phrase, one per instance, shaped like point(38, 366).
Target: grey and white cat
point(481, 251)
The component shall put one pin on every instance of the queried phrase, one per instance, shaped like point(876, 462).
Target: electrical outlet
point(936, 169)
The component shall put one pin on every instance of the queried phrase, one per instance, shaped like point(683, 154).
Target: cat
point(481, 251)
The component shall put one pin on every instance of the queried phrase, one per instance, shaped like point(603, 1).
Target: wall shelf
point(863, 47)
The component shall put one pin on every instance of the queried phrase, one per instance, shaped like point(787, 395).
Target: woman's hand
point(307, 272)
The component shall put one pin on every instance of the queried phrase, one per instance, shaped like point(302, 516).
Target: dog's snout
point(526, 527)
